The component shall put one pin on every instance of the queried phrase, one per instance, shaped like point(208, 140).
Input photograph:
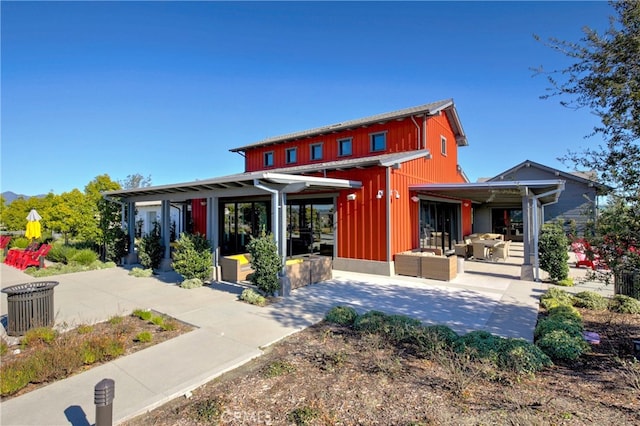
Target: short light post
point(103, 395)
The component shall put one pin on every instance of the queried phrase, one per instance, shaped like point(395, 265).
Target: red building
point(342, 190)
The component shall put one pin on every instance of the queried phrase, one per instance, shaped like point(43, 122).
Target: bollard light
point(636, 349)
point(103, 395)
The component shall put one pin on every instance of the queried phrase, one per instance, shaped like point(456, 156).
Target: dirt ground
point(329, 375)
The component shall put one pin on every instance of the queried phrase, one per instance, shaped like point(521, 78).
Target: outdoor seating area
point(426, 264)
point(485, 246)
point(33, 255)
point(303, 271)
point(584, 255)
point(236, 268)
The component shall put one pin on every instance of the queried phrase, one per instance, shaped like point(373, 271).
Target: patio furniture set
point(485, 246)
point(33, 255)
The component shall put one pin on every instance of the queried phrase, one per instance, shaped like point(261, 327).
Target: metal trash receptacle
point(29, 305)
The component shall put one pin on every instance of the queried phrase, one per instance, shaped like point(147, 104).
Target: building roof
point(433, 108)
point(507, 192)
point(587, 178)
point(226, 184)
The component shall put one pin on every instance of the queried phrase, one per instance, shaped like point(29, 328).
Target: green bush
point(397, 328)
point(555, 297)
point(140, 273)
point(84, 257)
point(150, 248)
point(142, 314)
point(253, 297)
point(624, 304)
point(144, 337)
point(192, 283)
point(303, 415)
point(590, 300)
point(522, 357)
point(370, 322)
point(19, 242)
point(61, 253)
point(565, 312)
point(39, 335)
point(559, 345)
point(482, 345)
point(192, 257)
point(266, 263)
point(430, 338)
point(547, 325)
point(552, 247)
point(567, 282)
point(343, 315)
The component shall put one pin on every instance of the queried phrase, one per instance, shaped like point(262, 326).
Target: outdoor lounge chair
point(33, 258)
point(500, 251)
point(580, 249)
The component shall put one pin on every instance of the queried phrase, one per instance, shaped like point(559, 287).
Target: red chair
point(4, 241)
point(33, 258)
point(15, 254)
point(580, 249)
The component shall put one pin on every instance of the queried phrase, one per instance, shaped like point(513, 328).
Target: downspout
point(275, 217)
point(424, 131)
point(536, 233)
point(388, 210)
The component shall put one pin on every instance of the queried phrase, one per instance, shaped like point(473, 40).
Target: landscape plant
point(624, 304)
point(590, 300)
point(150, 248)
point(552, 248)
point(191, 283)
point(192, 257)
point(253, 297)
point(266, 263)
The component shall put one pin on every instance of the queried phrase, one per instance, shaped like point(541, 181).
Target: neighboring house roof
point(548, 191)
point(587, 178)
point(433, 108)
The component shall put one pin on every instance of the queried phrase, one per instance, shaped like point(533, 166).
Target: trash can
point(29, 306)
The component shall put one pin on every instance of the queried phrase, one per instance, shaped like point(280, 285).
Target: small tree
point(192, 257)
point(266, 262)
point(552, 249)
point(150, 249)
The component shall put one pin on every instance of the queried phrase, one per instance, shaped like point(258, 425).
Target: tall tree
point(109, 235)
point(135, 181)
point(605, 78)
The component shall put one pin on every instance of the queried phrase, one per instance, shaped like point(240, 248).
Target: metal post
point(103, 395)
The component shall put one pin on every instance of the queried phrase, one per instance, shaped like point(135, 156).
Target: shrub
point(84, 329)
point(397, 328)
point(192, 283)
point(142, 314)
point(565, 312)
point(144, 337)
point(253, 297)
point(590, 300)
point(14, 377)
point(343, 315)
point(19, 242)
point(522, 357)
point(4, 348)
point(552, 246)
point(140, 273)
point(61, 253)
point(100, 348)
point(547, 325)
point(192, 257)
point(624, 304)
point(303, 415)
point(562, 346)
point(432, 338)
point(150, 248)
point(84, 257)
point(370, 322)
point(39, 335)
point(157, 320)
point(555, 297)
point(266, 264)
point(479, 344)
point(567, 282)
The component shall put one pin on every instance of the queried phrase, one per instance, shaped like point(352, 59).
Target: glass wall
point(438, 225)
point(310, 227)
point(508, 222)
point(240, 222)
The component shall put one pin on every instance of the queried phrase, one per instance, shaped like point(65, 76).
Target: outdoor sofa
point(425, 264)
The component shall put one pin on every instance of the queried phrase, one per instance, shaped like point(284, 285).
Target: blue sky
point(167, 88)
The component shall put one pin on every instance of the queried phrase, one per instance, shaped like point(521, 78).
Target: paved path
point(486, 296)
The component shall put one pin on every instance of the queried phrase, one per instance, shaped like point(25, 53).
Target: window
point(316, 151)
point(292, 155)
point(378, 142)
point(344, 147)
point(268, 159)
point(443, 145)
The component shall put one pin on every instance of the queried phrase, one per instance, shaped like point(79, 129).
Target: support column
point(132, 256)
point(165, 264)
point(213, 230)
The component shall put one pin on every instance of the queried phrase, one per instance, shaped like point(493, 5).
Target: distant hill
point(9, 196)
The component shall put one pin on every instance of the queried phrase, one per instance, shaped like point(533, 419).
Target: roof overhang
point(233, 185)
point(502, 192)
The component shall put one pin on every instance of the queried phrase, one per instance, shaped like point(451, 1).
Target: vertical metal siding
point(199, 216)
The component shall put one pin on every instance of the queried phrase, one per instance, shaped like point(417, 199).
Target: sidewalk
point(231, 333)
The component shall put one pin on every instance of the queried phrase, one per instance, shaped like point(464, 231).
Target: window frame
point(268, 155)
point(372, 137)
point(443, 145)
point(340, 145)
point(311, 149)
point(287, 152)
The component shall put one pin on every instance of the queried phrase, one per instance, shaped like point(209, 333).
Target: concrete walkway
point(229, 333)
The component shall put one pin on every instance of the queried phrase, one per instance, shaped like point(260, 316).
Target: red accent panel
point(199, 216)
